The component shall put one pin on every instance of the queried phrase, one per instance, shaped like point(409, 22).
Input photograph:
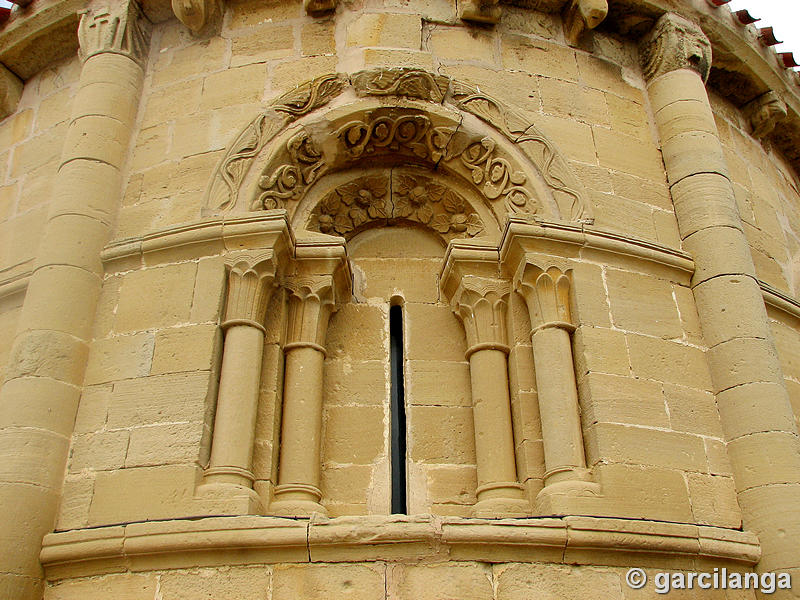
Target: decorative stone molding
point(197, 15)
point(317, 7)
point(480, 11)
point(764, 113)
point(312, 301)
point(122, 29)
point(503, 167)
point(675, 43)
point(581, 16)
point(482, 304)
point(10, 92)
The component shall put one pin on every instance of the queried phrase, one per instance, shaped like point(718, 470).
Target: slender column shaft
point(237, 404)
point(746, 374)
point(310, 306)
point(302, 420)
point(494, 440)
point(558, 404)
point(39, 398)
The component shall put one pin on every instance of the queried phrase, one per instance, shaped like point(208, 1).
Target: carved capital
point(764, 113)
point(582, 15)
point(480, 11)
point(312, 300)
point(197, 14)
point(122, 29)
point(251, 279)
point(316, 7)
point(546, 291)
point(675, 43)
point(482, 303)
point(10, 92)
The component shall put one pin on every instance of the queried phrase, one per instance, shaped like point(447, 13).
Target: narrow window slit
point(398, 412)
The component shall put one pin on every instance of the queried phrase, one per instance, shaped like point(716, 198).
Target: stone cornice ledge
point(262, 540)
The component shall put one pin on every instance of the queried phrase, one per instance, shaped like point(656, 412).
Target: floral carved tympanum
point(345, 209)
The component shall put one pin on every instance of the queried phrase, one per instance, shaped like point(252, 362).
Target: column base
point(567, 498)
point(500, 508)
point(229, 499)
point(296, 500)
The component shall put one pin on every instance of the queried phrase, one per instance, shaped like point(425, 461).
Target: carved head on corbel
point(198, 15)
point(675, 43)
point(764, 113)
point(10, 92)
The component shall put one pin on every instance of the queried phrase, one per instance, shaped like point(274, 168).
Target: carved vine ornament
point(500, 163)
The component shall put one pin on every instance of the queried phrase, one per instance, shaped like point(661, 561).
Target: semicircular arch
point(395, 119)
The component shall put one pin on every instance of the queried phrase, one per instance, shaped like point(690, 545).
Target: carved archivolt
point(510, 164)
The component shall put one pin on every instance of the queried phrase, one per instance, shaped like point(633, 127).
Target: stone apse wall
point(588, 216)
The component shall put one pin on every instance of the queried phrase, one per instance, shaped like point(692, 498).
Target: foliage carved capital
point(251, 279)
point(312, 300)
point(482, 304)
point(675, 43)
point(546, 290)
point(122, 29)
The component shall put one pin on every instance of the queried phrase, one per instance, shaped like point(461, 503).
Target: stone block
point(642, 190)
point(37, 151)
point(209, 291)
point(346, 485)
point(200, 56)
point(52, 354)
point(291, 73)
point(240, 85)
point(156, 297)
point(589, 298)
point(613, 443)
point(230, 583)
point(358, 331)
point(628, 117)
point(121, 586)
point(172, 102)
point(264, 44)
point(670, 362)
point(573, 101)
point(424, 380)
point(441, 435)
point(434, 333)
point(693, 332)
point(625, 153)
point(15, 128)
point(164, 444)
point(538, 57)
point(353, 434)
point(317, 38)
point(600, 350)
point(631, 217)
point(639, 492)
point(54, 109)
point(341, 581)
point(28, 515)
point(465, 581)
point(39, 403)
point(606, 75)
point(452, 484)
point(158, 399)
point(615, 399)
point(23, 452)
point(554, 582)
point(764, 459)
point(101, 451)
point(692, 411)
point(119, 357)
point(414, 280)
point(714, 500)
point(142, 494)
point(151, 147)
point(93, 409)
point(247, 13)
point(572, 137)
point(456, 43)
point(76, 497)
point(385, 29)
point(361, 383)
point(193, 348)
point(643, 304)
point(741, 361)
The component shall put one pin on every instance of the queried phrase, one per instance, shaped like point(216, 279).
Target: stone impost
point(546, 290)
point(48, 358)
point(480, 299)
point(250, 283)
point(676, 59)
point(313, 292)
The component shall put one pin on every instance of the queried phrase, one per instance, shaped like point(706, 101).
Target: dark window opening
point(398, 412)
